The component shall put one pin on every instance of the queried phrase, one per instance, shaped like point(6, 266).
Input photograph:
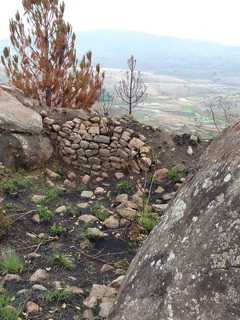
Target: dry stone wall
point(96, 144)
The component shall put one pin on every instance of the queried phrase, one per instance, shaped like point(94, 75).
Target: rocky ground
point(67, 239)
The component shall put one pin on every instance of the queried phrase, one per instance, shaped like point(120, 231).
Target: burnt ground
point(38, 247)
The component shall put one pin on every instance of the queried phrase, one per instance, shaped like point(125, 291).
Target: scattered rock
point(88, 219)
point(111, 222)
point(118, 282)
point(190, 151)
point(99, 191)
point(161, 174)
point(39, 275)
point(87, 194)
point(95, 234)
point(86, 179)
point(119, 175)
point(106, 268)
point(32, 307)
point(62, 209)
point(38, 199)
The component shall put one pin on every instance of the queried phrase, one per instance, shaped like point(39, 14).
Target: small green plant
point(147, 220)
point(63, 261)
point(124, 186)
point(174, 175)
point(59, 296)
point(7, 311)
point(100, 212)
point(51, 195)
point(10, 262)
point(56, 230)
point(45, 214)
point(16, 184)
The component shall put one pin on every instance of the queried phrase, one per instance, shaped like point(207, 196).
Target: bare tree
point(221, 110)
point(105, 103)
point(132, 89)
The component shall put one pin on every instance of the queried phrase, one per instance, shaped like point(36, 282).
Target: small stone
point(86, 179)
point(88, 219)
point(83, 205)
point(159, 190)
point(161, 174)
point(33, 255)
point(39, 275)
point(99, 191)
point(121, 198)
point(75, 290)
point(36, 218)
point(11, 278)
point(38, 198)
point(52, 175)
point(190, 151)
point(127, 213)
point(111, 223)
point(168, 196)
point(69, 184)
point(118, 282)
point(136, 143)
point(106, 268)
point(32, 307)
point(61, 209)
point(119, 175)
point(87, 194)
point(39, 287)
point(71, 176)
point(95, 234)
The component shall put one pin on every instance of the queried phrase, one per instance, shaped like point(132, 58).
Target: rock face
point(21, 141)
point(189, 268)
point(16, 117)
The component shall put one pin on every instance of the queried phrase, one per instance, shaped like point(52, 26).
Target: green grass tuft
point(10, 262)
point(7, 311)
point(124, 186)
point(63, 261)
point(16, 184)
point(45, 214)
point(59, 296)
point(100, 212)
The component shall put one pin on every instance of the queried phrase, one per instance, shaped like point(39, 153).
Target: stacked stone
point(96, 144)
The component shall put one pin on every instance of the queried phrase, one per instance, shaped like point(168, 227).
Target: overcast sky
point(212, 20)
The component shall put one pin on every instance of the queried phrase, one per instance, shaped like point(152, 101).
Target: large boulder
point(21, 139)
point(14, 116)
point(29, 151)
point(189, 268)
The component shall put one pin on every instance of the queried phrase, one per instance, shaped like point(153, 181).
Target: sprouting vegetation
point(58, 296)
point(100, 211)
point(10, 262)
point(16, 184)
point(63, 261)
point(174, 175)
point(45, 214)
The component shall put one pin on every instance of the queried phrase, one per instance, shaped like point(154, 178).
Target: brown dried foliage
point(45, 66)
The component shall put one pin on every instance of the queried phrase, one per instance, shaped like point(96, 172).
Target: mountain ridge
point(165, 55)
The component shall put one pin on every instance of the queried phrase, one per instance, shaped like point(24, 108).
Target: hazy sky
point(212, 20)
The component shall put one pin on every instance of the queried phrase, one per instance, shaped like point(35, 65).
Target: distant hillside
point(164, 55)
